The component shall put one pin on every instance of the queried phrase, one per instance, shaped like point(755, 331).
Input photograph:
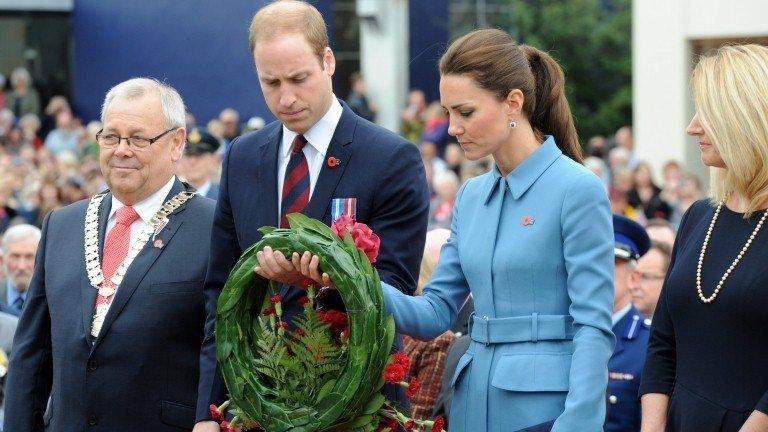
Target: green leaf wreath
point(327, 374)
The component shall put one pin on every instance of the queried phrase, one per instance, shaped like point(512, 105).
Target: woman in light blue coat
point(532, 241)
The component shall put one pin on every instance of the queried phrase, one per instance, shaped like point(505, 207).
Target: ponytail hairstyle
point(498, 64)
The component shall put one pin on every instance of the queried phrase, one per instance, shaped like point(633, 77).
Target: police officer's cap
point(200, 141)
point(631, 239)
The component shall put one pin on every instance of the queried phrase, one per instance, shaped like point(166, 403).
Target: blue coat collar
point(523, 177)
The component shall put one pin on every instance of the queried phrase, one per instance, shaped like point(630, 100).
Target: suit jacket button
point(613, 399)
point(93, 364)
point(93, 420)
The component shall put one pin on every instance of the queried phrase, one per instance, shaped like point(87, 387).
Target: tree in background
point(591, 39)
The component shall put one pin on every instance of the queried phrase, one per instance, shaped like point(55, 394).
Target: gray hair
point(173, 105)
point(21, 74)
point(18, 233)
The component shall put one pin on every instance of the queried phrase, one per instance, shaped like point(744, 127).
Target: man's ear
point(329, 61)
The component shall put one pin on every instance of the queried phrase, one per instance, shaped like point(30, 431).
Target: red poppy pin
point(527, 220)
point(333, 161)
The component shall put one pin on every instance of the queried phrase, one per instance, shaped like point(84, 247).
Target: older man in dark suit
point(318, 151)
point(17, 257)
point(114, 316)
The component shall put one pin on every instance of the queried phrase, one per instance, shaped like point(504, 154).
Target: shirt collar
point(621, 313)
point(12, 294)
point(205, 188)
point(524, 175)
point(148, 206)
point(319, 135)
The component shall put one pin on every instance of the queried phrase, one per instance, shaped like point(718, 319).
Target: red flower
point(306, 283)
point(387, 422)
point(277, 298)
point(413, 386)
point(299, 332)
point(281, 324)
point(268, 311)
point(336, 319)
point(365, 239)
point(332, 162)
point(342, 225)
point(439, 424)
point(402, 359)
point(409, 424)
point(394, 373)
point(216, 415)
point(303, 300)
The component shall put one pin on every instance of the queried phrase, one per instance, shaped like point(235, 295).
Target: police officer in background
point(201, 162)
point(631, 330)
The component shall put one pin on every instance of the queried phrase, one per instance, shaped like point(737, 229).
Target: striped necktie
point(295, 194)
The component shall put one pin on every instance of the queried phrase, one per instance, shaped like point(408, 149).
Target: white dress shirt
point(204, 189)
point(318, 139)
point(619, 314)
point(145, 208)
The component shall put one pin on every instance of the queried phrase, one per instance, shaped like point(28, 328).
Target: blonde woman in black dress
point(707, 363)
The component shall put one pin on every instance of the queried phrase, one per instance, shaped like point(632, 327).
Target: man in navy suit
point(317, 151)
point(17, 257)
point(630, 328)
point(113, 322)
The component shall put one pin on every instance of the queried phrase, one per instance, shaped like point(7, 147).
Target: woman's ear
point(514, 103)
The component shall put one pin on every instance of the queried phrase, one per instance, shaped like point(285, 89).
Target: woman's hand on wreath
point(274, 266)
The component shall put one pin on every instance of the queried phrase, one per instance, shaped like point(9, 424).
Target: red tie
point(116, 248)
point(295, 194)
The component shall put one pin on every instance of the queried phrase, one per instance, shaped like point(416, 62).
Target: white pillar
point(384, 56)
point(660, 96)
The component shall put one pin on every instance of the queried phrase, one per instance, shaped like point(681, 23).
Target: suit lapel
point(141, 265)
point(330, 176)
point(88, 292)
point(262, 195)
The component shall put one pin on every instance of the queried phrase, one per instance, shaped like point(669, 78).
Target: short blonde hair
point(286, 17)
point(730, 88)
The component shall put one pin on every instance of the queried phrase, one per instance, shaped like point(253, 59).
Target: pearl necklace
point(728, 272)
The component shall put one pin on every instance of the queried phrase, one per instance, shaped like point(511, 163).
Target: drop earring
point(512, 124)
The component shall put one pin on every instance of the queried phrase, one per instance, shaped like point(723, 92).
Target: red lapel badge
point(527, 220)
point(158, 243)
point(333, 161)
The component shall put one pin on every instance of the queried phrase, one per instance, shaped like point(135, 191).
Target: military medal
point(343, 207)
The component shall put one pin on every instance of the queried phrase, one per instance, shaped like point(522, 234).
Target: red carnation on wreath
point(216, 415)
point(438, 425)
point(402, 359)
point(336, 319)
point(365, 239)
point(387, 422)
point(394, 373)
point(413, 386)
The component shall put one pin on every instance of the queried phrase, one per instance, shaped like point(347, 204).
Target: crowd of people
point(49, 158)
point(507, 333)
